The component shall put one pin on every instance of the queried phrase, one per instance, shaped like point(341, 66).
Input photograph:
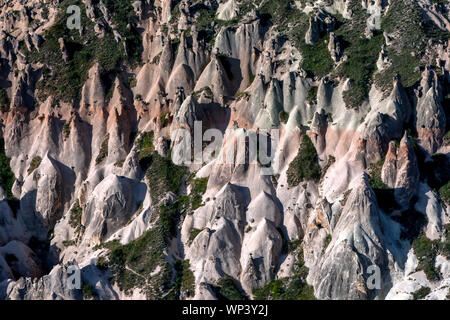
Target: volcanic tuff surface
point(359, 91)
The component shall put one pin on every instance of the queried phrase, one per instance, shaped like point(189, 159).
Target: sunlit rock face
point(234, 144)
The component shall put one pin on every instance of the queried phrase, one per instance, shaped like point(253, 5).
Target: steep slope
point(224, 149)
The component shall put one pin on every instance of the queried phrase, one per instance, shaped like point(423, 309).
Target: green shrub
point(362, 54)
point(64, 80)
point(444, 248)
point(87, 291)
point(312, 94)
point(326, 242)
point(7, 177)
point(169, 215)
point(226, 289)
point(305, 165)
point(292, 288)
point(35, 163)
point(283, 116)
point(194, 233)
point(294, 24)
point(375, 175)
point(164, 119)
point(197, 192)
point(76, 214)
point(426, 251)
point(145, 146)
point(185, 280)
point(384, 194)
point(444, 192)
point(421, 293)
point(446, 139)
point(103, 153)
point(411, 33)
point(66, 130)
point(163, 176)
point(133, 263)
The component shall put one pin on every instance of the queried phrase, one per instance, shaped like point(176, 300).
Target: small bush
point(145, 147)
point(426, 251)
point(194, 233)
point(305, 165)
point(421, 293)
point(87, 291)
point(312, 94)
point(444, 193)
point(103, 153)
point(326, 242)
point(185, 281)
point(283, 116)
point(293, 288)
point(76, 214)
point(35, 163)
point(226, 289)
point(163, 176)
point(197, 192)
point(7, 177)
point(66, 131)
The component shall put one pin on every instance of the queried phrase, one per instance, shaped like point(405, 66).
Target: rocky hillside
point(350, 98)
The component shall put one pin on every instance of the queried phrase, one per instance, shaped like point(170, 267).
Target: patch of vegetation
point(163, 176)
point(141, 263)
point(293, 245)
point(87, 291)
point(294, 24)
point(375, 175)
point(206, 90)
point(7, 177)
point(68, 243)
point(145, 148)
point(125, 19)
point(242, 95)
point(445, 245)
point(103, 153)
point(132, 264)
point(66, 131)
point(283, 116)
point(316, 58)
point(326, 242)
point(169, 215)
point(292, 288)
point(226, 289)
point(312, 94)
point(197, 192)
point(194, 233)
point(444, 193)
point(305, 165)
point(446, 139)
point(421, 293)
point(64, 79)
point(164, 119)
point(362, 54)
point(75, 217)
point(410, 34)
point(35, 163)
point(426, 251)
point(185, 280)
point(44, 12)
point(119, 163)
